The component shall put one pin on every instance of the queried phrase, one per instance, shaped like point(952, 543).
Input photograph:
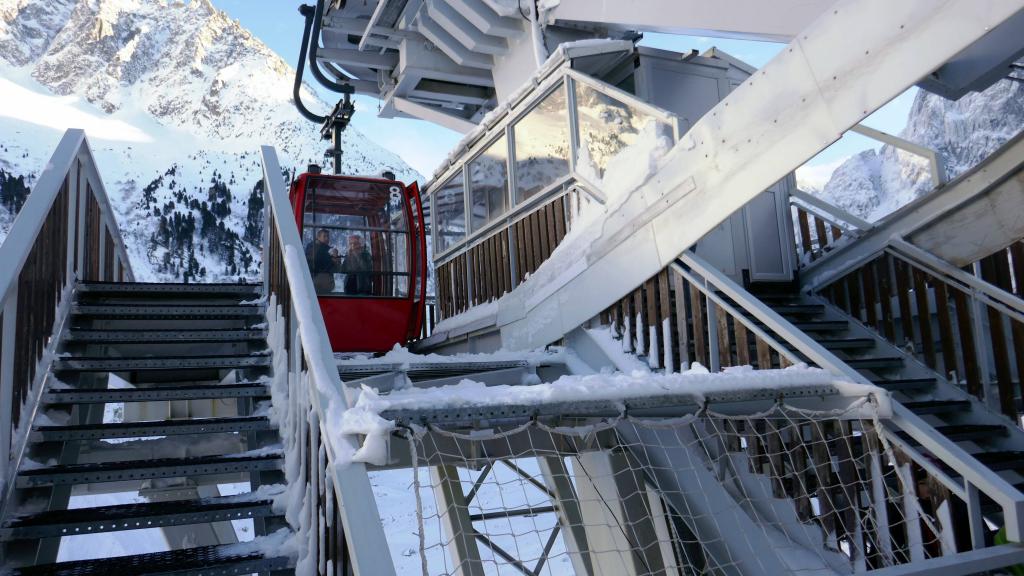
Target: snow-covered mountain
point(874, 183)
point(176, 99)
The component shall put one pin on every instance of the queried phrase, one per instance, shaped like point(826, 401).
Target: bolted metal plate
point(146, 429)
point(156, 394)
point(72, 474)
point(160, 363)
point(171, 289)
point(125, 311)
point(54, 523)
point(222, 560)
point(162, 336)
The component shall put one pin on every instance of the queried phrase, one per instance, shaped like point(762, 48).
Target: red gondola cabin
point(365, 245)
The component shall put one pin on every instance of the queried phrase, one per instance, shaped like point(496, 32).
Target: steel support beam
point(776, 21)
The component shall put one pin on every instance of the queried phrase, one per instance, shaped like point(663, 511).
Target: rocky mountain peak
point(874, 183)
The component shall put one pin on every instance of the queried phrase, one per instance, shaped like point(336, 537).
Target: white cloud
point(812, 178)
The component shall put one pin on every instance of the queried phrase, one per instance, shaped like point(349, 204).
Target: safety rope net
point(782, 491)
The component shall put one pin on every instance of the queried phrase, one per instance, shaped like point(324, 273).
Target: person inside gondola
point(324, 261)
point(357, 267)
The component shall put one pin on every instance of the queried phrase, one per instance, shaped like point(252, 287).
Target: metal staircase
point(963, 418)
point(188, 367)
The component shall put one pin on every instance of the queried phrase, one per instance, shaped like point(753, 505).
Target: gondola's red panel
point(365, 244)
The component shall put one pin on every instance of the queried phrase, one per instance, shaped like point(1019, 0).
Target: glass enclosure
point(356, 238)
point(606, 126)
point(449, 213)
point(488, 184)
point(542, 145)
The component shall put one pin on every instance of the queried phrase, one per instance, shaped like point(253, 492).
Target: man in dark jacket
point(357, 266)
point(323, 260)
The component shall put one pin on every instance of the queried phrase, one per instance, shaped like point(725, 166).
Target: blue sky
point(425, 146)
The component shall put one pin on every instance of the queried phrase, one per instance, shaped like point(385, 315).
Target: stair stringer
point(712, 512)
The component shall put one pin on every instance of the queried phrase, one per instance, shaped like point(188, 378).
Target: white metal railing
point(975, 476)
point(66, 231)
point(309, 400)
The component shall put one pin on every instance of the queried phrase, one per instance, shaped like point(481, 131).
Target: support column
point(7, 340)
point(454, 515)
point(570, 517)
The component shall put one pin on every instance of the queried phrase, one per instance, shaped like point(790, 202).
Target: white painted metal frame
point(505, 127)
point(73, 151)
point(311, 347)
point(935, 163)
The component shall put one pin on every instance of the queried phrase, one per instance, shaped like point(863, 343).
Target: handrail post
point(7, 338)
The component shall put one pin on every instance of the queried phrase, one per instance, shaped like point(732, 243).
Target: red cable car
point(366, 248)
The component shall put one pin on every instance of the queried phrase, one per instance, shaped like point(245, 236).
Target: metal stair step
point(786, 309)
point(938, 406)
point(179, 311)
point(847, 343)
point(53, 523)
point(877, 363)
point(220, 560)
point(91, 336)
point(821, 325)
point(72, 474)
point(1002, 460)
point(174, 290)
point(906, 384)
point(969, 432)
point(149, 428)
point(105, 364)
point(156, 394)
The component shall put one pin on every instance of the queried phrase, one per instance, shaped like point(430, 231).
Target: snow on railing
point(66, 231)
point(329, 501)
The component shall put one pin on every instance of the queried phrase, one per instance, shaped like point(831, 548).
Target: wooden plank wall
point(666, 320)
point(920, 312)
point(484, 272)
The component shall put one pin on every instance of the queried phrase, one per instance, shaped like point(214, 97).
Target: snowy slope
point(873, 183)
point(176, 99)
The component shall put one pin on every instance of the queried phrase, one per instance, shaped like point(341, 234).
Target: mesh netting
point(783, 491)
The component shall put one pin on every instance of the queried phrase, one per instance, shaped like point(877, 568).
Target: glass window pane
point(450, 213)
point(606, 127)
point(355, 237)
point(488, 183)
point(542, 145)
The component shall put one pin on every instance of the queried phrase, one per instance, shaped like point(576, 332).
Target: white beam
point(432, 114)
point(356, 58)
point(779, 20)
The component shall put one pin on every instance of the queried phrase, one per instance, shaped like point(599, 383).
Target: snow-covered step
point(156, 394)
point(160, 363)
point(175, 290)
point(187, 311)
point(123, 336)
point(55, 523)
point(222, 560)
point(72, 474)
point(150, 428)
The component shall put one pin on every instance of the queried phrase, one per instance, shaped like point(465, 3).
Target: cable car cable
point(306, 11)
point(314, 47)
